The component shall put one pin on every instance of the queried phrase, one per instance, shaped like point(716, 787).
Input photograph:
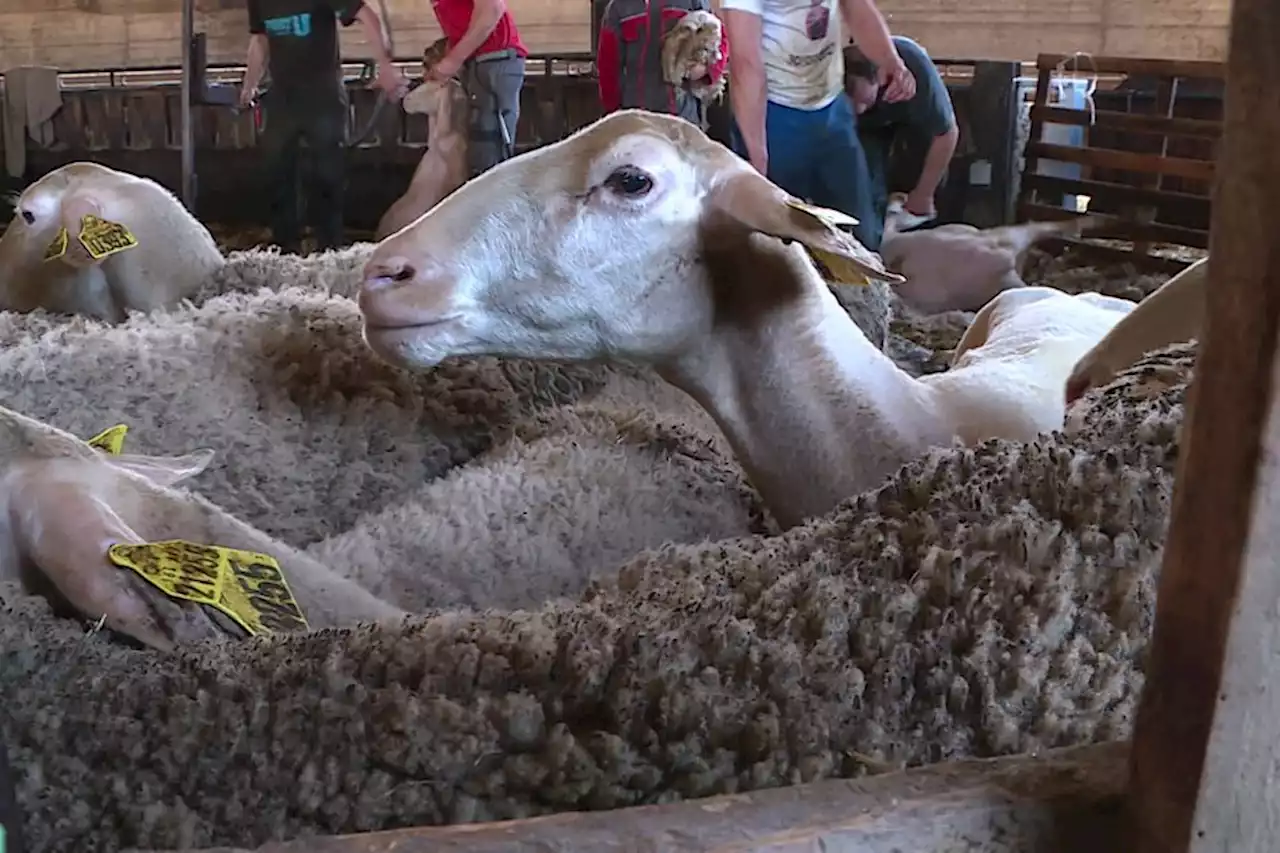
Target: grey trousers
point(493, 82)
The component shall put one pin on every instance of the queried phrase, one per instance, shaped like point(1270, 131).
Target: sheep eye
point(629, 181)
point(29, 217)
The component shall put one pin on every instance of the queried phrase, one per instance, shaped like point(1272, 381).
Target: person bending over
point(297, 40)
point(629, 58)
point(486, 54)
point(793, 120)
point(908, 144)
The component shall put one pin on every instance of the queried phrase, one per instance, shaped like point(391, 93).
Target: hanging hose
point(370, 74)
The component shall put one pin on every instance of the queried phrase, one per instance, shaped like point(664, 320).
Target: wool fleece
point(984, 601)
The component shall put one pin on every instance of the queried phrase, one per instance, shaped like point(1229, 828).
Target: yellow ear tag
point(248, 587)
point(58, 247)
point(102, 237)
point(839, 267)
point(110, 440)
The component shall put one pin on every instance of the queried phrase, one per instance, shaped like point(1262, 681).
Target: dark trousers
point(816, 155)
point(493, 83)
point(321, 119)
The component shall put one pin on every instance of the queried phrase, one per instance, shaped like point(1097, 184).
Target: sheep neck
point(814, 412)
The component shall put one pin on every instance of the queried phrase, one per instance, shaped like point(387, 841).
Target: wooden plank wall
point(1149, 174)
point(91, 34)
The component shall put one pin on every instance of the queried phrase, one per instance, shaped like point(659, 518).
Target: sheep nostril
point(405, 273)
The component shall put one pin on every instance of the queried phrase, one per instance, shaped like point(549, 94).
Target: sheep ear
point(64, 531)
point(754, 201)
point(164, 470)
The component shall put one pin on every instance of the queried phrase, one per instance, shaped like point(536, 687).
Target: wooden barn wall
point(91, 34)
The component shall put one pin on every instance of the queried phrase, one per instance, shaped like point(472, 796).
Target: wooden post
point(1207, 737)
point(188, 141)
point(993, 120)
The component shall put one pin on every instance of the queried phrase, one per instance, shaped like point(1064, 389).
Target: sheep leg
point(63, 530)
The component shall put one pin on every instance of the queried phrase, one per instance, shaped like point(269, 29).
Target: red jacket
point(629, 61)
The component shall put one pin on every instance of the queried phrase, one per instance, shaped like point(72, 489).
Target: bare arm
point(747, 94)
point(936, 162)
point(871, 33)
point(390, 80)
point(372, 26)
point(255, 66)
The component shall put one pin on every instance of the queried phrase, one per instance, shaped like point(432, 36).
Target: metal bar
point(188, 141)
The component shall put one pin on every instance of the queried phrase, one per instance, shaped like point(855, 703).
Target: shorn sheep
point(639, 237)
point(443, 167)
point(1172, 314)
point(958, 267)
point(88, 239)
point(984, 601)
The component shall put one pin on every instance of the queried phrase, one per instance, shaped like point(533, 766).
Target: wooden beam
point(1129, 161)
point(1207, 737)
point(1064, 801)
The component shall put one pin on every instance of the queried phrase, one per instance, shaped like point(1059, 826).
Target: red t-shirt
point(455, 15)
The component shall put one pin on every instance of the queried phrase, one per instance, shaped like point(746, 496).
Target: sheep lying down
point(984, 601)
point(88, 239)
point(482, 471)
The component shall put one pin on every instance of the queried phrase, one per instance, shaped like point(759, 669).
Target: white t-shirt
point(801, 47)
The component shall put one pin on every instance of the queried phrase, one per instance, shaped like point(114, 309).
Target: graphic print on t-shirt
point(295, 26)
point(801, 49)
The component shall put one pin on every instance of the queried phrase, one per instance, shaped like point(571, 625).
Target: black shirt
point(303, 39)
point(929, 112)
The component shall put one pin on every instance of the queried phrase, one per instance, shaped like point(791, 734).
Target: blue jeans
point(816, 155)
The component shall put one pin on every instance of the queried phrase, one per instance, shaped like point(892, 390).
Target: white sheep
point(63, 504)
point(640, 238)
point(1172, 314)
point(88, 239)
point(483, 483)
point(444, 166)
point(692, 45)
point(958, 267)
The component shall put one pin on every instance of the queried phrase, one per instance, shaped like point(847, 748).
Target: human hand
point(921, 204)
point(697, 72)
point(248, 95)
point(448, 66)
point(391, 80)
point(896, 82)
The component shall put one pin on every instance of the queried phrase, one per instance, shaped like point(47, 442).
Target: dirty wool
point(984, 601)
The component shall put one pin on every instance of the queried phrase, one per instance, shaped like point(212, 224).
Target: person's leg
point(876, 148)
point(278, 150)
point(494, 89)
point(326, 132)
point(842, 179)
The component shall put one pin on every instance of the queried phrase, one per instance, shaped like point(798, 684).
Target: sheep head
point(610, 243)
point(64, 503)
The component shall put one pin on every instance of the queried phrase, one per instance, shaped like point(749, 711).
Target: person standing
point(908, 144)
point(485, 46)
point(629, 58)
point(297, 40)
point(792, 118)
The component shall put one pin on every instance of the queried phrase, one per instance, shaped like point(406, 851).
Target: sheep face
point(63, 504)
point(606, 244)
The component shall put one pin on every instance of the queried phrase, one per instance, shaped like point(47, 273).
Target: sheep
point(91, 240)
point(639, 237)
point(315, 435)
point(984, 601)
point(1174, 312)
point(443, 167)
point(63, 504)
point(695, 43)
point(957, 267)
